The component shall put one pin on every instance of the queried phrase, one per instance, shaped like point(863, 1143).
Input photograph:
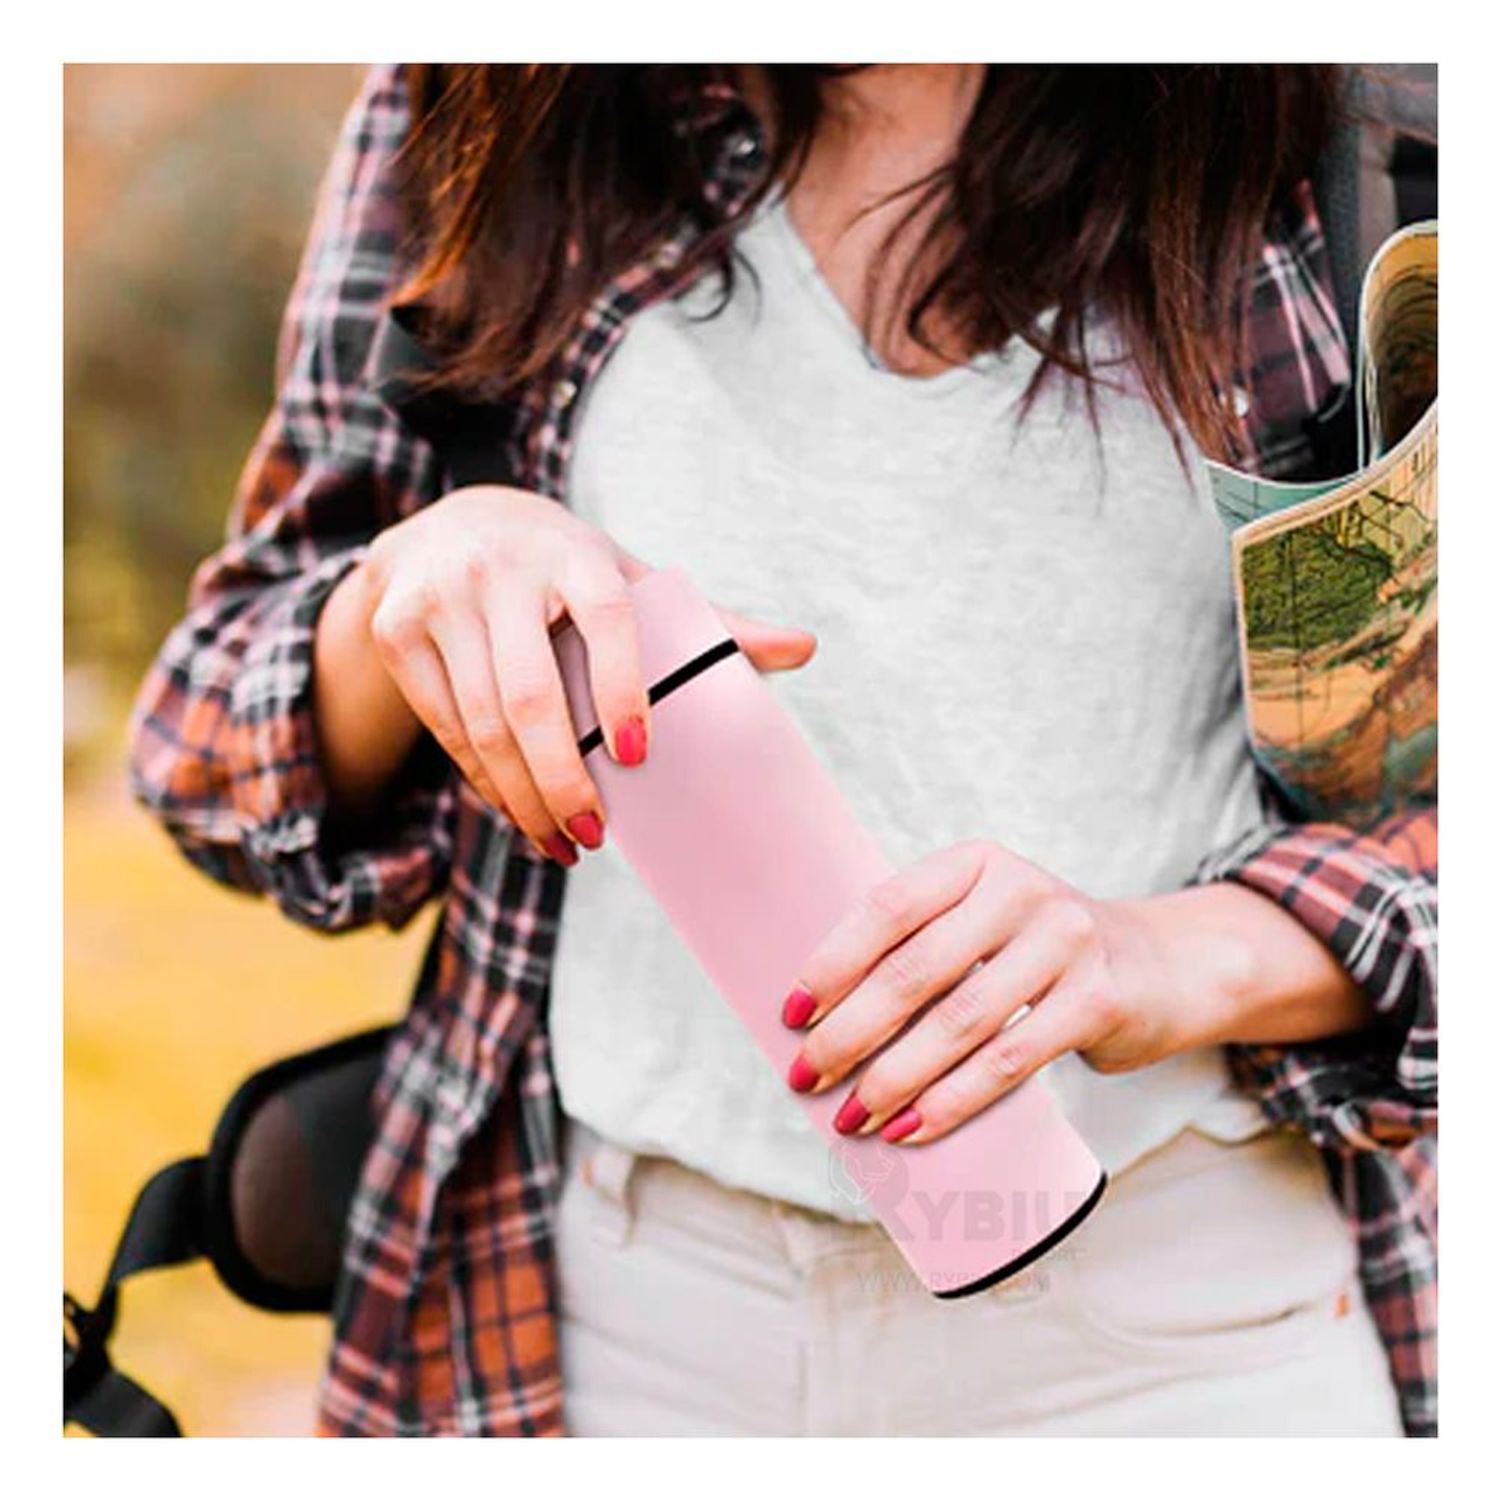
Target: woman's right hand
point(456, 604)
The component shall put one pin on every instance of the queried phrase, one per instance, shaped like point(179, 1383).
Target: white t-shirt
point(1024, 636)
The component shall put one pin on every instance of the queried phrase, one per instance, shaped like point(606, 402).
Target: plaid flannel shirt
point(445, 1318)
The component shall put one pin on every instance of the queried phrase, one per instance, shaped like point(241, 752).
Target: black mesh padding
point(294, 1171)
point(1336, 185)
point(283, 1227)
point(282, 1171)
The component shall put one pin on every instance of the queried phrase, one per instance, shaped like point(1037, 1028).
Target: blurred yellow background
point(187, 194)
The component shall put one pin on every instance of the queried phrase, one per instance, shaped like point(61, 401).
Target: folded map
point(1336, 581)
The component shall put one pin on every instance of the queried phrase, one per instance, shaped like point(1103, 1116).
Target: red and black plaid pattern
point(445, 1319)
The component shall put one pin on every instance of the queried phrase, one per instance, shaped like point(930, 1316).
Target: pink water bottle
point(752, 852)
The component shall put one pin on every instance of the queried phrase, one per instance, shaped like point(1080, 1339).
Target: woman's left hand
point(983, 933)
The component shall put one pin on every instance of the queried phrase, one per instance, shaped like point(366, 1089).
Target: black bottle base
point(1042, 1246)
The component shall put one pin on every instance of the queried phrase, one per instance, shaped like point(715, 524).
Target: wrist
point(365, 726)
point(1205, 968)
point(1239, 968)
point(344, 646)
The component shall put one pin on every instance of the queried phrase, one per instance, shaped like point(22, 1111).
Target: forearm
point(1244, 970)
point(365, 727)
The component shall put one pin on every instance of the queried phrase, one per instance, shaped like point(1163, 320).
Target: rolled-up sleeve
point(1372, 898)
point(223, 738)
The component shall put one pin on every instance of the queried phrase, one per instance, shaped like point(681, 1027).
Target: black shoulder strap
point(110, 1404)
point(1356, 166)
point(469, 437)
point(163, 1229)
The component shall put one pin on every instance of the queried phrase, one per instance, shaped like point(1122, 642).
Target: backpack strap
point(265, 1206)
point(469, 437)
point(1352, 183)
point(108, 1403)
point(163, 1229)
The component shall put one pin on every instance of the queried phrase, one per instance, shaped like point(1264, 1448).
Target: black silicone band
point(669, 685)
point(1036, 1252)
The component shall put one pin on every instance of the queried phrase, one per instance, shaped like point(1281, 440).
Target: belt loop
point(606, 1170)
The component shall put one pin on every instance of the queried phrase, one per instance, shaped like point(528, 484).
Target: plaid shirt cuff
point(1378, 917)
point(224, 751)
point(279, 795)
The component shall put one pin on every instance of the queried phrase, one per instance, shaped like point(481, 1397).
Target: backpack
point(266, 1205)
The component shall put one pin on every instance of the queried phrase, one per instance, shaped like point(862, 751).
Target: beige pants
point(1213, 1292)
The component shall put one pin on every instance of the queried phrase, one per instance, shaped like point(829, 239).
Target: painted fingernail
point(802, 1075)
point(852, 1114)
point(898, 1127)
point(561, 850)
point(630, 742)
point(798, 1008)
point(586, 829)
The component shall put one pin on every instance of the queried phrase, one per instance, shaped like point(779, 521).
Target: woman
point(925, 359)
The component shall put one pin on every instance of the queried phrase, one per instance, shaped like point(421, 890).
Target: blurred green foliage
point(188, 191)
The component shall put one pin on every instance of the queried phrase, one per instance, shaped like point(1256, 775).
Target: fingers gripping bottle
point(753, 854)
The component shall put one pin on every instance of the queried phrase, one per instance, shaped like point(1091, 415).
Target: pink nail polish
point(561, 850)
point(798, 1008)
point(630, 742)
point(802, 1075)
point(852, 1114)
point(898, 1127)
point(586, 829)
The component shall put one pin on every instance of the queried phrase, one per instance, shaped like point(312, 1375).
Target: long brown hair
point(1143, 191)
